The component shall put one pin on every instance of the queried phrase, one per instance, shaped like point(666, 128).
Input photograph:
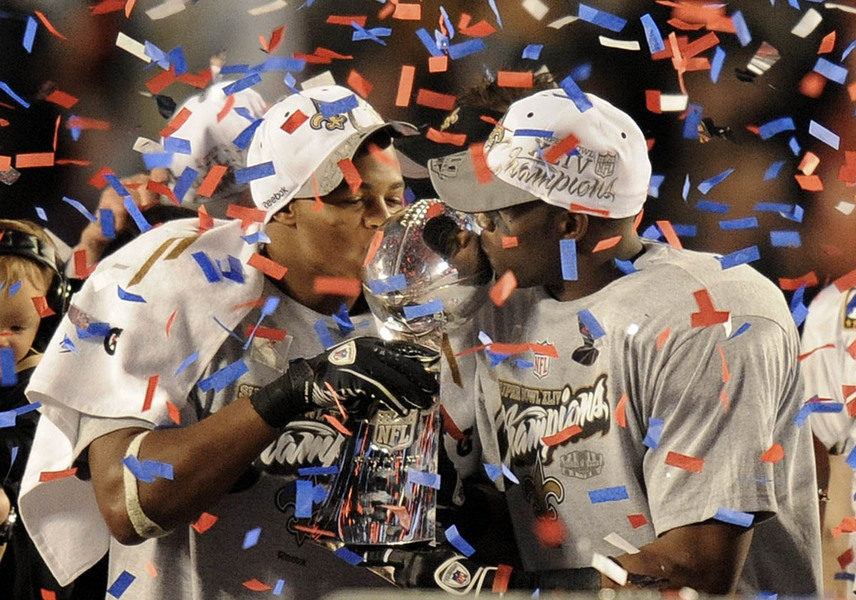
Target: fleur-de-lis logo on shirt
point(543, 493)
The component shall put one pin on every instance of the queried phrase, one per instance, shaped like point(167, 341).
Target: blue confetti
point(312, 471)
point(652, 232)
point(183, 183)
point(609, 494)
point(568, 252)
point(390, 284)
point(157, 55)
point(219, 380)
point(259, 237)
point(823, 134)
point(625, 266)
point(716, 64)
point(128, 296)
point(283, 63)
point(523, 364)
point(30, 34)
point(655, 430)
point(243, 139)
point(739, 257)
point(795, 215)
point(843, 575)
point(154, 160)
point(116, 185)
point(851, 459)
point(574, 92)
point(177, 60)
point(374, 34)
point(686, 189)
point(8, 376)
point(339, 107)
point(685, 230)
point(463, 49)
point(78, 206)
point(235, 272)
point(457, 540)
point(735, 517)
point(773, 207)
point(771, 128)
point(251, 538)
point(349, 556)
point(493, 472)
point(743, 35)
point(830, 70)
point(41, 213)
point(277, 590)
point(15, 97)
point(423, 310)
point(773, 170)
point(794, 146)
point(234, 69)
point(591, 323)
point(208, 268)
point(533, 133)
point(447, 22)
point(428, 42)
point(94, 330)
point(13, 289)
point(848, 50)
point(177, 145)
point(692, 121)
point(601, 18)
point(187, 362)
point(652, 34)
point(136, 215)
point(740, 330)
point(324, 333)
point(581, 72)
point(343, 320)
point(242, 84)
point(121, 584)
point(799, 311)
point(431, 480)
point(654, 185)
point(816, 407)
point(495, 10)
point(533, 51)
point(254, 172)
point(511, 476)
point(735, 224)
point(785, 239)
point(708, 184)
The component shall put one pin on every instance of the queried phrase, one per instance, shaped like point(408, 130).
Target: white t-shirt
point(830, 372)
point(667, 422)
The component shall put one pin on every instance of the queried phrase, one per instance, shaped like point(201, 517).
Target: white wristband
point(143, 525)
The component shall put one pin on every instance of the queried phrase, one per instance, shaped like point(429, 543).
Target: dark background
point(108, 80)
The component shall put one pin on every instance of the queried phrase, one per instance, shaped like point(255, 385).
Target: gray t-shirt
point(214, 564)
point(624, 415)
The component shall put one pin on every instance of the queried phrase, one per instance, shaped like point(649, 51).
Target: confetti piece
point(739, 257)
point(734, 517)
point(621, 411)
point(337, 286)
point(458, 542)
point(251, 538)
point(608, 494)
point(431, 480)
point(575, 93)
point(219, 380)
point(705, 186)
point(716, 64)
point(359, 84)
point(407, 12)
point(501, 579)
point(128, 296)
point(816, 407)
point(808, 23)
point(256, 586)
point(630, 45)
point(435, 99)
point(551, 532)
point(601, 18)
point(514, 79)
point(823, 134)
point(8, 376)
point(444, 137)
point(742, 29)
point(810, 183)
point(737, 224)
point(655, 430)
point(51, 28)
point(122, 582)
point(562, 436)
point(620, 543)
point(652, 34)
point(463, 49)
point(637, 520)
point(687, 463)
point(561, 148)
point(771, 128)
point(423, 310)
point(568, 253)
point(390, 284)
point(532, 51)
point(46, 476)
point(503, 288)
point(609, 568)
point(773, 454)
point(669, 234)
point(785, 239)
point(150, 390)
point(34, 159)
point(349, 556)
point(845, 558)
point(270, 268)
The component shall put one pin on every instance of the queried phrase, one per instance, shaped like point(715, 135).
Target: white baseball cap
point(333, 124)
point(212, 141)
point(606, 173)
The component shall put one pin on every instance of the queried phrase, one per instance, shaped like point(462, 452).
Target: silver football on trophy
point(429, 273)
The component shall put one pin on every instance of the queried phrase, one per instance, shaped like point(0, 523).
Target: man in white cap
point(171, 435)
point(644, 399)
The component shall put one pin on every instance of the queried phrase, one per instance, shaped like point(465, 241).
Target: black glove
point(361, 371)
point(431, 567)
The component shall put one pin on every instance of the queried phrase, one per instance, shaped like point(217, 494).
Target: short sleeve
point(714, 408)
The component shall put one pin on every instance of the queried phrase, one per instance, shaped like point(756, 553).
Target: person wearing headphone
point(33, 295)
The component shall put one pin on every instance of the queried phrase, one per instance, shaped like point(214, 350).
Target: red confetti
point(561, 148)
point(846, 282)
point(408, 12)
point(845, 558)
point(246, 214)
point(161, 189)
point(637, 520)
point(607, 243)
point(206, 222)
point(34, 159)
point(373, 247)
point(61, 98)
point(621, 411)
point(663, 336)
point(726, 374)
point(851, 350)
point(161, 81)
point(808, 280)
point(514, 79)
point(5, 163)
point(176, 122)
point(438, 64)
point(810, 183)
point(827, 43)
point(482, 171)
point(501, 579)
point(669, 234)
point(509, 241)
point(267, 333)
point(805, 355)
point(450, 427)
point(256, 586)
point(151, 569)
point(480, 29)
point(503, 288)
point(346, 20)
point(435, 99)
point(270, 268)
point(337, 286)
point(550, 532)
point(359, 84)
point(45, 476)
point(275, 40)
point(211, 181)
point(707, 314)
point(294, 121)
point(773, 454)
point(76, 122)
point(230, 102)
point(150, 392)
point(107, 6)
point(47, 594)
point(562, 436)
point(337, 425)
point(174, 412)
point(687, 463)
point(81, 268)
point(48, 25)
point(41, 304)
point(444, 137)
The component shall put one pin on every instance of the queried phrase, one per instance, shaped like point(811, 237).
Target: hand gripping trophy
point(386, 486)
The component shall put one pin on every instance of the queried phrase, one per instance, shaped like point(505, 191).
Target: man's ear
point(573, 225)
point(285, 215)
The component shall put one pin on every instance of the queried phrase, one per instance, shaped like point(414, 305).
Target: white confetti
point(809, 22)
point(620, 543)
point(673, 102)
point(845, 207)
point(612, 570)
point(132, 46)
point(559, 23)
point(619, 44)
point(266, 8)
point(536, 8)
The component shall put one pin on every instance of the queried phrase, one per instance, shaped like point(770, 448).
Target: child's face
point(19, 319)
